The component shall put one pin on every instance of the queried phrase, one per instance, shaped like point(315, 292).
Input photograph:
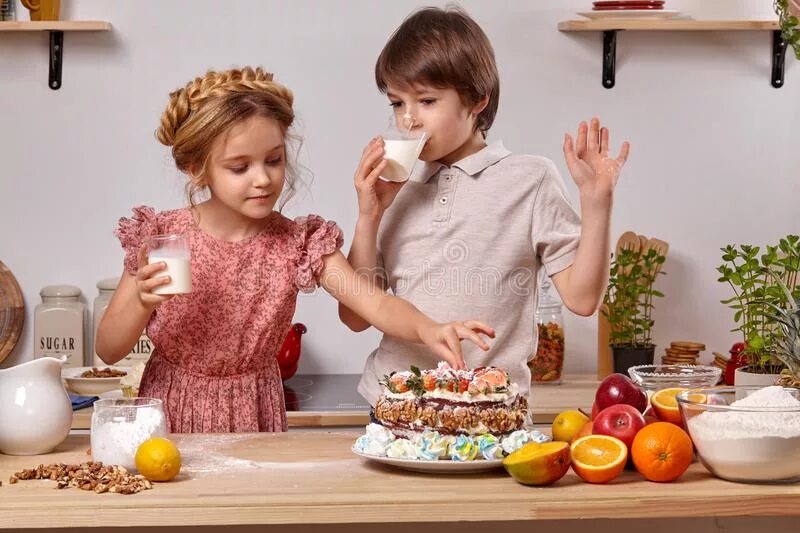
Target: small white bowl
point(91, 386)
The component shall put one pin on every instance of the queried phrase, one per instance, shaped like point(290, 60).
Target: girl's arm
point(397, 317)
point(595, 172)
point(129, 310)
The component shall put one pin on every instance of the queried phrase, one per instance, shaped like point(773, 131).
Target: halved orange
point(598, 458)
point(665, 405)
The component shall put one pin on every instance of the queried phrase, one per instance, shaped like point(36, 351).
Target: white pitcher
point(35, 409)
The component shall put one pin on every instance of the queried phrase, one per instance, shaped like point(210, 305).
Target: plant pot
point(742, 377)
point(628, 356)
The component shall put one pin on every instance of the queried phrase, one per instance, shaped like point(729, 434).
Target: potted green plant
point(755, 277)
point(629, 305)
point(788, 12)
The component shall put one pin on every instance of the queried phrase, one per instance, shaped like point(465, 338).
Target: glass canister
point(58, 327)
point(140, 352)
point(120, 425)
point(547, 363)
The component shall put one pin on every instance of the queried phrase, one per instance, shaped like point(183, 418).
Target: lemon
point(567, 424)
point(158, 459)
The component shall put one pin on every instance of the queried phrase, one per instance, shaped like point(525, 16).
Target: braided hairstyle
point(208, 106)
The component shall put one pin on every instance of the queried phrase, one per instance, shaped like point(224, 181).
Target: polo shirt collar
point(472, 164)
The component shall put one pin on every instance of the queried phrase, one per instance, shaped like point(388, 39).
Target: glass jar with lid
point(58, 327)
point(547, 363)
point(140, 352)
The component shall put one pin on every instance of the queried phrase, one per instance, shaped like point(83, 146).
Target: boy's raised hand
point(374, 194)
point(592, 168)
point(444, 340)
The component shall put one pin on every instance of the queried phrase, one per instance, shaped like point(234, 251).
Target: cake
point(451, 402)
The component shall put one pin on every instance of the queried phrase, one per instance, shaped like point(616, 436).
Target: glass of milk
point(402, 149)
point(173, 250)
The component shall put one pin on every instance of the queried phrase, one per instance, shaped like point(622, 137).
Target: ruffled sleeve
point(318, 239)
point(133, 231)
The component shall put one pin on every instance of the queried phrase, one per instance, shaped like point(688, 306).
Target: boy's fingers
point(466, 333)
point(594, 135)
point(604, 140)
point(581, 140)
point(478, 326)
point(623, 152)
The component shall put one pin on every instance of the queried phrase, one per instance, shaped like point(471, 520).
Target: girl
point(213, 362)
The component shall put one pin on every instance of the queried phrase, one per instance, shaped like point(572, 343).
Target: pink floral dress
point(213, 362)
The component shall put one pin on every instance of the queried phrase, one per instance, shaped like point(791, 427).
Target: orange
point(661, 451)
point(158, 459)
point(665, 405)
point(598, 458)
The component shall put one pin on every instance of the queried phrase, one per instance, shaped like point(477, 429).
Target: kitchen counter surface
point(332, 401)
point(306, 477)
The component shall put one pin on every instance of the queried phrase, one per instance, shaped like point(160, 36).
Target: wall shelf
point(56, 28)
point(609, 29)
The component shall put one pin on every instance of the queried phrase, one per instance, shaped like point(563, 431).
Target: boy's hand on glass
point(148, 279)
point(444, 340)
point(374, 194)
point(594, 171)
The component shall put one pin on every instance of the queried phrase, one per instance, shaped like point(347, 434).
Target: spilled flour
point(202, 455)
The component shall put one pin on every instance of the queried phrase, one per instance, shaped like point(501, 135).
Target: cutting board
point(12, 311)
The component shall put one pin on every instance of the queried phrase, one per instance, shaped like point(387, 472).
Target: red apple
point(595, 410)
point(615, 389)
point(621, 420)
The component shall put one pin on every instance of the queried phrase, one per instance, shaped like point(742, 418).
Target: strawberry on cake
point(451, 402)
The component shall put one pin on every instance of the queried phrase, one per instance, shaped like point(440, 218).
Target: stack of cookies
point(682, 353)
point(720, 361)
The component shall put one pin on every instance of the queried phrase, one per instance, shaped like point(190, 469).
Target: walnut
point(89, 476)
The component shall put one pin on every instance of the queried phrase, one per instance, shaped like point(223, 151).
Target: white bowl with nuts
point(93, 381)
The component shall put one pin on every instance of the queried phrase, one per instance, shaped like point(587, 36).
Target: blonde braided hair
point(208, 106)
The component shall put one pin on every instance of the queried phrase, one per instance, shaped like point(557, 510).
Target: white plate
point(444, 466)
point(631, 14)
point(91, 386)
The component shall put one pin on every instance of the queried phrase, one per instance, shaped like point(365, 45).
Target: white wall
point(713, 158)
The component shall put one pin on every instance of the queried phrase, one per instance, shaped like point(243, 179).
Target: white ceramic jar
point(59, 322)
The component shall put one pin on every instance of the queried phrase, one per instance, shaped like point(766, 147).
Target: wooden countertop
point(548, 400)
point(311, 477)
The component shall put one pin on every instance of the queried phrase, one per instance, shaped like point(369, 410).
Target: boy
point(473, 228)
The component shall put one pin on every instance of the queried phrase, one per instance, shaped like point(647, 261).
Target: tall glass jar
point(140, 352)
point(547, 363)
point(58, 327)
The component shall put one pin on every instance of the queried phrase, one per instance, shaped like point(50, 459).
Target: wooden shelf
point(610, 27)
point(56, 28)
point(56, 25)
point(668, 25)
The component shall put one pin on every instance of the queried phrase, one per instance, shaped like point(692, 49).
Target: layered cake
point(451, 402)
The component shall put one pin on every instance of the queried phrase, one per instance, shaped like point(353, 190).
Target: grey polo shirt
point(466, 242)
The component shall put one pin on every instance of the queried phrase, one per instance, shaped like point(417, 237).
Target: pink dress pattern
point(213, 362)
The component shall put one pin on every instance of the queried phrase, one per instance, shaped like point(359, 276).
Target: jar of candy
point(547, 362)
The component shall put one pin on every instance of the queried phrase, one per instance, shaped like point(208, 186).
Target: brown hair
point(443, 48)
point(209, 106)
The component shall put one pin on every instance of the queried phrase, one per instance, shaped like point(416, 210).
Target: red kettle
point(289, 354)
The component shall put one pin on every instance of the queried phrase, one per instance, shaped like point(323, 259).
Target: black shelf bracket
point(56, 59)
point(609, 57)
point(778, 59)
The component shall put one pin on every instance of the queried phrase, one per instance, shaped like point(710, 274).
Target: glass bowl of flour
point(745, 434)
point(120, 425)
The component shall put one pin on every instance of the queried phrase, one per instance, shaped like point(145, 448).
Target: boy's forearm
point(363, 258)
point(589, 273)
